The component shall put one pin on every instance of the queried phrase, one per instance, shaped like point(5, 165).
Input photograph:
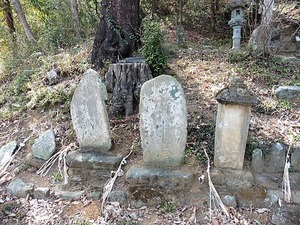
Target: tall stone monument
point(91, 165)
point(232, 125)
point(163, 130)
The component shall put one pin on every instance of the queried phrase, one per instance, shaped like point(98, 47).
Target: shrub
point(152, 49)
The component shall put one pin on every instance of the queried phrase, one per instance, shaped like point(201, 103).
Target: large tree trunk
point(260, 40)
point(75, 15)
point(125, 80)
point(23, 20)
point(8, 16)
point(117, 35)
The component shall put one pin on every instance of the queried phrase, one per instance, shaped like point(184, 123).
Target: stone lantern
point(237, 21)
point(232, 124)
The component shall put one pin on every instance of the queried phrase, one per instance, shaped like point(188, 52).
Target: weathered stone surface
point(44, 146)
point(92, 159)
point(89, 115)
point(237, 94)
point(295, 163)
point(288, 92)
point(229, 200)
point(6, 152)
point(156, 177)
point(231, 133)
point(232, 178)
point(272, 198)
point(41, 192)
point(275, 159)
point(19, 188)
point(69, 195)
point(163, 121)
point(33, 161)
point(286, 215)
point(257, 161)
point(251, 197)
point(118, 196)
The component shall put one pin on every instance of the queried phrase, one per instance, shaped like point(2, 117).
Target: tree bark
point(9, 17)
point(76, 19)
point(23, 20)
point(125, 81)
point(117, 35)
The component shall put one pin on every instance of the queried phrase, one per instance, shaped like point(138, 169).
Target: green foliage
point(152, 49)
point(57, 177)
point(168, 207)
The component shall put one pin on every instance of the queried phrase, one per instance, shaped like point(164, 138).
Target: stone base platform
point(158, 177)
point(154, 185)
point(91, 169)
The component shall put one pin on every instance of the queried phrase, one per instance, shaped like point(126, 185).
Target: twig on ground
point(286, 186)
point(4, 168)
point(61, 156)
point(110, 183)
point(213, 194)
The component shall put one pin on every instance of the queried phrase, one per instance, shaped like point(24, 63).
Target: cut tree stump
point(124, 80)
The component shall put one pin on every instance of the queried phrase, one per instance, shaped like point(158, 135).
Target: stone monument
point(163, 130)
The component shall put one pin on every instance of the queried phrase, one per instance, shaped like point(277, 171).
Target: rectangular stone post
point(232, 125)
point(231, 135)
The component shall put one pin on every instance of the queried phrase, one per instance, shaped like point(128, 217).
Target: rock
point(118, 196)
point(33, 161)
point(229, 200)
point(157, 177)
point(52, 76)
point(251, 197)
point(288, 92)
point(163, 121)
point(41, 192)
point(275, 159)
point(69, 195)
point(6, 152)
point(44, 146)
point(92, 160)
point(295, 160)
point(19, 188)
point(89, 115)
point(296, 196)
point(232, 178)
point(286, 215)
point(272, 198)
point(257, 161)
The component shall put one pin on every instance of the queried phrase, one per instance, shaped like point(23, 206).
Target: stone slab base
point(158, 177)
point(90, 170)
point(232, 178)
point(92, 159)
point(155, 185)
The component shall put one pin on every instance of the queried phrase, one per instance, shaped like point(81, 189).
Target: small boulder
point(229, 200)
point(19, 188)
point(41, 193)
point(275, 159)
point(44, 146)
point(257, 161)
point(288, 92)
point(6, 152)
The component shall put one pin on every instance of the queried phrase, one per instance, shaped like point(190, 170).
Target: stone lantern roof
point(238, 3)
point(237, 94)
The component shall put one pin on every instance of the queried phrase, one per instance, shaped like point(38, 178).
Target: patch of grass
point(57, 177)
point(168, 207)
point(252, 143)
point(285, 105)
point(124, 222)
point(199, 138)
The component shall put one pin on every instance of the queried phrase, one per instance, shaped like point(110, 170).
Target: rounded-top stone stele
point(163, 121)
